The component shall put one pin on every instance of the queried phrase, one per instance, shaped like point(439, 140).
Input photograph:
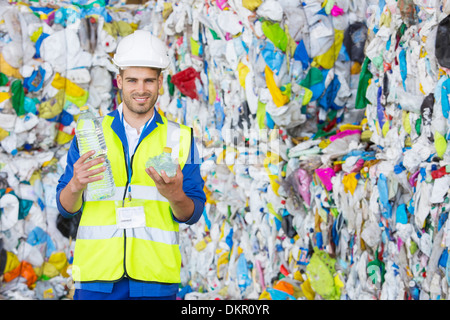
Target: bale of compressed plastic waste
point(321, 127)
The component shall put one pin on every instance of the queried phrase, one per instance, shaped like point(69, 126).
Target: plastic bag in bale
point(442, 48)
point(354, 41)
point(68, 226)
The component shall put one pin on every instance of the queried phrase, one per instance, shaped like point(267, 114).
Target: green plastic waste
point(276, 34)
point(321, 272)
point(18, 97)
point(361, 101)
point(376, 270)
point(313, 77)
point(3, 79)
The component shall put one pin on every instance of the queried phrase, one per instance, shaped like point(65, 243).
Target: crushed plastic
point(322, 130)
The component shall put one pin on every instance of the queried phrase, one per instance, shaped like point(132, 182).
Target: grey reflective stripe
point(147, 193)
point(137, 192)
point(153, 234)
point(111, 231)
point(118, 195)
point(98, 232)
point(173, 138)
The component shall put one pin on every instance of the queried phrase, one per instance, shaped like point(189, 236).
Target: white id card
point(130, 217)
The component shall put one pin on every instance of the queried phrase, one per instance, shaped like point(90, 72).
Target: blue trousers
point(120, 292)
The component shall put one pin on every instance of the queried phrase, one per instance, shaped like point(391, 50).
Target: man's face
point(140, 87)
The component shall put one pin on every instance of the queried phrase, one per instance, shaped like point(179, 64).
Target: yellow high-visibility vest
point(104, 252)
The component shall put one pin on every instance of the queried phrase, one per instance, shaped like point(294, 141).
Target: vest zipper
point(124, 195)
point(124, 230)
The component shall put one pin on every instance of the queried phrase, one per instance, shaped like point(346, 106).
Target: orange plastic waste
point(285, 287)
point(25, 270)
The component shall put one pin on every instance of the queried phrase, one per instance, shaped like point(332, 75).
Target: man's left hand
point(169, 187)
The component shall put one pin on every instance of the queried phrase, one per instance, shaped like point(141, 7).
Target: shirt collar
point(156, 116)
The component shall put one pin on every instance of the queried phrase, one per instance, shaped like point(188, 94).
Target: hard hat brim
point(142, 63)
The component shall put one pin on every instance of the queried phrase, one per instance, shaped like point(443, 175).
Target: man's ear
point(119, 81)
point(160, 80)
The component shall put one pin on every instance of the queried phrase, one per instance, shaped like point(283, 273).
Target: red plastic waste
point(185, 82)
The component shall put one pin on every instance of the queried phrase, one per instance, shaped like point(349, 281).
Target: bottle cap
point(167, 149)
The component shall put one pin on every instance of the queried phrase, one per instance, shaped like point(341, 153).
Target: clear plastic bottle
point(90, 137)
point(164, 162)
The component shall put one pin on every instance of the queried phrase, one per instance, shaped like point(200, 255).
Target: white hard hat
point(141, 49)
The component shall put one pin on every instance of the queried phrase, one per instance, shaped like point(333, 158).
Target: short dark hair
point(158, 71)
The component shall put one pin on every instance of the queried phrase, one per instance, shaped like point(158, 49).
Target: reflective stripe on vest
point(138, 192)
point(149, 253)
point(144, 233)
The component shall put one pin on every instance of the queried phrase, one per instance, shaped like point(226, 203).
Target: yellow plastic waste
point(385, 128)
point(251, 5)
point(350, 182)
point(327, 59)
point(65, 271)
point(68, 86)
point(265, 296)
point(223, 260)
point(208, 193)
point(366, 135)
point(440, 143)
point(167, 10)
point(3, 134)
point(324, 143)
point(59, 260)
point(406, 122)
point(36, 34)
point(12, 262)
point(52, 161)
point(212, 92)
point(356, 68)
point(195, 47)
point(243, 70)
point(278, 98)
point(4, 96)
point(349, 126)
point(36, 176)
point(307, 96)
point(79, 101)
point(63, 137)
point(52, 107)
point(338, 283)
point(298, 276)
point(8, 70)
point(291, 44)
point(385, 19)
point(308, 290)
point(124, 28)
point(408, 143)
point(272, 158)
point(273, 212)
point(199, 246)
point(47, 269)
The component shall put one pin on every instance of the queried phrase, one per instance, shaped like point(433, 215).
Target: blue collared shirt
point(192, 186)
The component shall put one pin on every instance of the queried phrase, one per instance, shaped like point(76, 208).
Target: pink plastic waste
point(343, 134)
point(222, 4)
point(336, 11)
point(325, 175)
point(303, 182)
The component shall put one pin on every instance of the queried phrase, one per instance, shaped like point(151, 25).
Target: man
point(127, 246)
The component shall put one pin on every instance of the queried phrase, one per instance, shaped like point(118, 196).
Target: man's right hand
point(82, 175)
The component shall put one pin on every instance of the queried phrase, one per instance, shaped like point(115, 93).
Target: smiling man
point(138, 258)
